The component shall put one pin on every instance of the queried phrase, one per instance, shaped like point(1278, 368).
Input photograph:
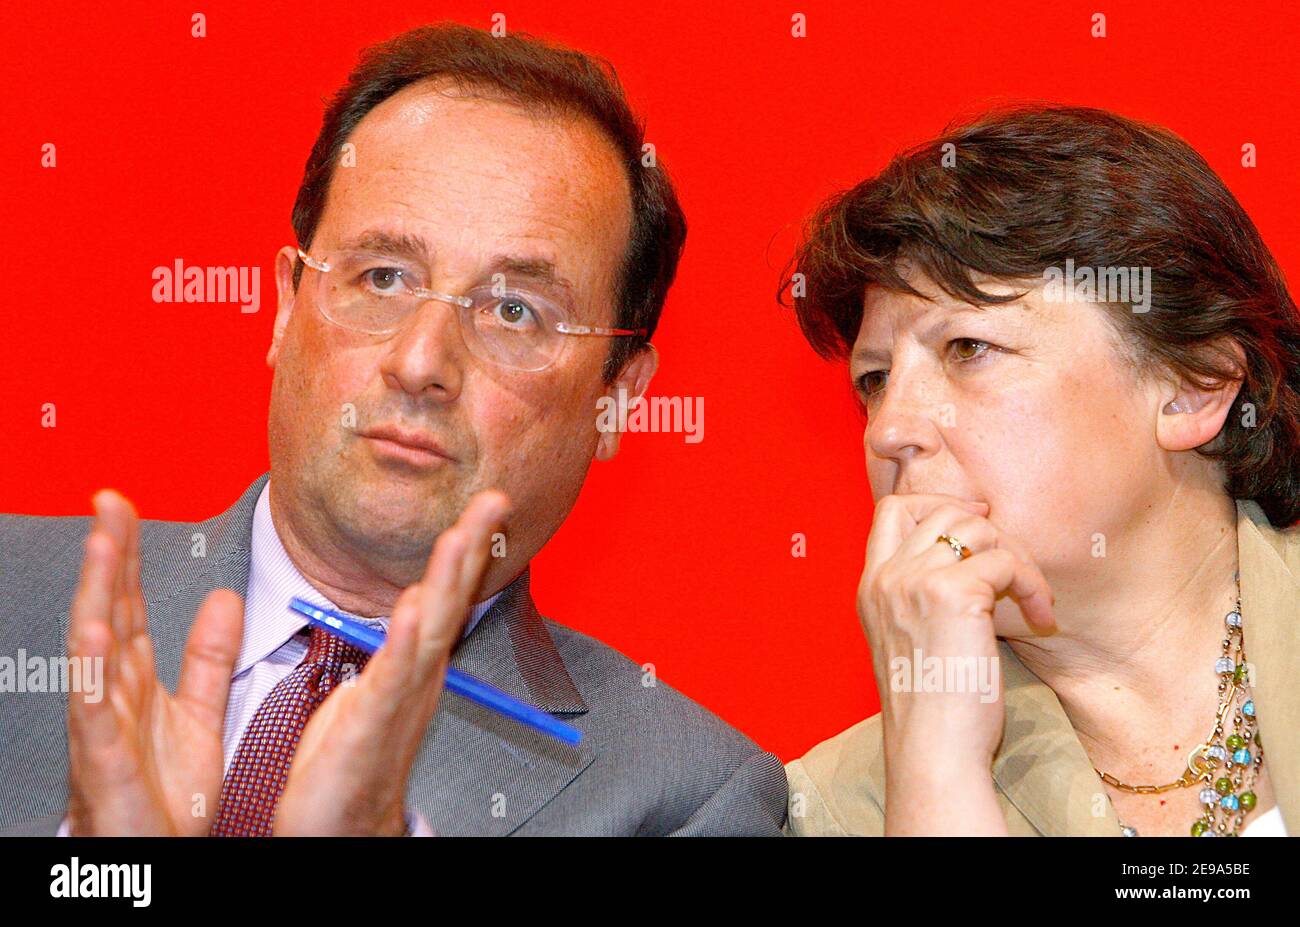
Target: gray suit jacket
point(651, 761)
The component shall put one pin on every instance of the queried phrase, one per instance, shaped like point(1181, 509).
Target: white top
point(1268, 824)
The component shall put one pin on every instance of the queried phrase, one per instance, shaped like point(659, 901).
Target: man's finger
point(455, 571)
point(138, 615)
point(92, 603)
point(486, 517)
point(442, 613)
point(210, 654)
point(391, 670)
point(91, 724)
point(92, 598)
point(112, 513)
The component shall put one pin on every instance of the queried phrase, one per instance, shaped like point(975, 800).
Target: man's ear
point(285, 259)
point(633, 380)
point(1191, 416)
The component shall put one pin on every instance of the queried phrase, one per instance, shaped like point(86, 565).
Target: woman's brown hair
point(1023, 190)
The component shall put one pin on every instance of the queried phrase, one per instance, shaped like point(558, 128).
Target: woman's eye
point(968, 341)
point(869, 386)
point(966, 350)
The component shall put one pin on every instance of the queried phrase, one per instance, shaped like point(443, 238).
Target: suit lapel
point(1041, 767)
point(477, 772)
point(187, 562)
point(1270, 608)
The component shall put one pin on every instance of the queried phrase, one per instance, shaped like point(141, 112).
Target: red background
point(678, 554)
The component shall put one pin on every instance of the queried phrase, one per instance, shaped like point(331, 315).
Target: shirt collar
point(273, 580)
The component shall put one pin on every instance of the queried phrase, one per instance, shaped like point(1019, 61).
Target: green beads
point(1240, 675)
point(1223, 786)
point(1199, 828)
point(1235, 742)
point(1247, 801)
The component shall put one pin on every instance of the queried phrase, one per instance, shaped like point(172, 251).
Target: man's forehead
point(482, 178)
point(485, 153)
point(486, 126)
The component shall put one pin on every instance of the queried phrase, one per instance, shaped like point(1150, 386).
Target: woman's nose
point(907, 419)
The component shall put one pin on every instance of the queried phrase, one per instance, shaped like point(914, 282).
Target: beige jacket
point(1044, 780)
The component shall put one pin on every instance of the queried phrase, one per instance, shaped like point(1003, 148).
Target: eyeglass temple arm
point(567, 329)
point(311, 262)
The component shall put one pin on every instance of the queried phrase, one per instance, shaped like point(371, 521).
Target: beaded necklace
point(1227, 794)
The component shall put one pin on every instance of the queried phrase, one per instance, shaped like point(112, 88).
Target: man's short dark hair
point(543, 78)
point(1028, 188)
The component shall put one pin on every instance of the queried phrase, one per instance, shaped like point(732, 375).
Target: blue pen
point(476, 690)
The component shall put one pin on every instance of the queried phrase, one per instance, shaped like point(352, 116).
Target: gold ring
point(958, 548)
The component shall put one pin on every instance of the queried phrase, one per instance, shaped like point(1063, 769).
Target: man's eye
point(513, 313)
point(384, 280)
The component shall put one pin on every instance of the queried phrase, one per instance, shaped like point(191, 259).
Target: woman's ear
point(630, 385)
point(285, 259)
point(1192, 415)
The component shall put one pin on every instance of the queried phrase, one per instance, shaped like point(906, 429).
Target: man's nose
point(427, 354)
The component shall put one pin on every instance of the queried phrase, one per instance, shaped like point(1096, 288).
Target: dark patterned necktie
point(260, 767)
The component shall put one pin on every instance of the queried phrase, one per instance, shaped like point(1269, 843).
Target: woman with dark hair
point(1080, 368)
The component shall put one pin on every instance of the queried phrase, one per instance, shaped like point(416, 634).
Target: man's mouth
point(412, 447)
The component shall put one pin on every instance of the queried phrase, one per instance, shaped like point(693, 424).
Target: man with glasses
point(481, 257)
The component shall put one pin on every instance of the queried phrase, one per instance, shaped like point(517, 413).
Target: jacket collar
point(1041, 767)
point(477, 772)
point(512, 648)
point(1270, 605)
point(1044, 771)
